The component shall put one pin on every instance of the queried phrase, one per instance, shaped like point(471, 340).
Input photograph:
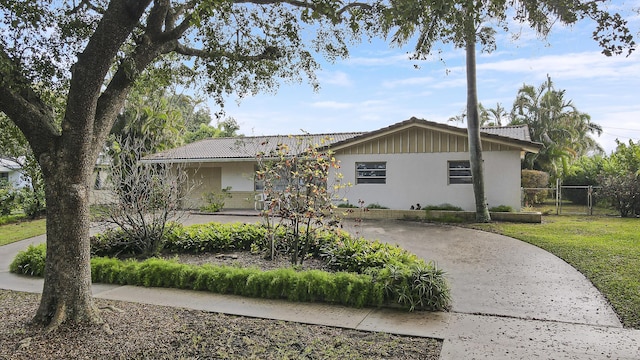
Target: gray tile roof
point(240, 148)
point(518, 132)
point(246, 148)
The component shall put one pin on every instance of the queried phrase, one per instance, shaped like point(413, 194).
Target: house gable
point(421, 136)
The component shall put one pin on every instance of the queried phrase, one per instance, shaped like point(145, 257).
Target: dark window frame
point(459, 172)
point(371, 172)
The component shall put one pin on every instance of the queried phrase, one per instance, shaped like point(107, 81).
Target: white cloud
point(332, 105)
point(395, 59)
point(586, 65)
point(338, 78)
point(421, 80)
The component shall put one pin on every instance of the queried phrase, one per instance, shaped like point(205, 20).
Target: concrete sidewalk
point(486, 326)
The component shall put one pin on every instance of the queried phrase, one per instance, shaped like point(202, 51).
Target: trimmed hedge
point(378, 273)
point(214, 237)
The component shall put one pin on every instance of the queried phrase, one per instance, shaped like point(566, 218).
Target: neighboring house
point(408, 163)
point(10, 171)
point(100, 191)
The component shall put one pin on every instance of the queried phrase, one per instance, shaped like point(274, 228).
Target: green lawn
point(13, 232)
point(605, 249)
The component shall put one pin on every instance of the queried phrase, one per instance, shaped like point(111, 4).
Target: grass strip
point(17, 231)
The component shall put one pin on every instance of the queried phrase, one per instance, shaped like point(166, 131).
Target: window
point(371, 173)
point(460, 172)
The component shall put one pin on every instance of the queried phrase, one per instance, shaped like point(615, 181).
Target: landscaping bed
point(338, 268)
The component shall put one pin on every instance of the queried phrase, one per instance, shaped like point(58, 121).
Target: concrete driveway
point(492, 274)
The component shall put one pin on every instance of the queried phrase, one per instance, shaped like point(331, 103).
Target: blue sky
point(378, 86)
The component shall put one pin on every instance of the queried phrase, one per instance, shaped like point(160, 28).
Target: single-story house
point(408, 163)
point(11, 173)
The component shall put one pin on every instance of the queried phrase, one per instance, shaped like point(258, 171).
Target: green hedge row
point(305, 286)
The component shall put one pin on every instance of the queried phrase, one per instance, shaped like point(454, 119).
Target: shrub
point(30, 261)
point(358, 255)
point(8, 219)
point(33, 202)
point(583, 172)
point(443, 207)
point(501, 208)
point(8, 200)
point(620, 179)
point(215, 201)
point(112, 242)
point(214, 237)
point(347, 206)
point(419, 286)
point(623, 192)
point(376, 206)
point(306, 286)
point(534, 183)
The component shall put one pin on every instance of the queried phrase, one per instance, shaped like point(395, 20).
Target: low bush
point(8, 201)
point(347, 206)
point(215, 201)
point(535, 184)
point(501, 208)
point(30, 261)
point(418, 286)
point(8, 219)
point(112, 242)
point(214, 237)
point(443, 207)
point(359, 255)
point(376, 206)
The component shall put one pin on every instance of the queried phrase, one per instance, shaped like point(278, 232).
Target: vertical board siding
point(418, 140)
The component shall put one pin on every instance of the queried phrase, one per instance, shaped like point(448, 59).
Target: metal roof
point(241, 148)
point(518, 132)
point(246, 148)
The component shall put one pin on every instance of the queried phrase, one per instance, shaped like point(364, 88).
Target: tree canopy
point(556, 122)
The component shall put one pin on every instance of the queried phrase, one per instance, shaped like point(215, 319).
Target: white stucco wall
point(423, 178)
point(14, 177)
point(238, 175)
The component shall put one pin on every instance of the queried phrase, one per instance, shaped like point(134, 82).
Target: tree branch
point(93, 64)
point(306, 5)
point(269, 53)
point(23, 106)
point(88, 5)
point(157, 17)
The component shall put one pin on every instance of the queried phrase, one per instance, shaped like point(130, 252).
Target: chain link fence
point(563, 199)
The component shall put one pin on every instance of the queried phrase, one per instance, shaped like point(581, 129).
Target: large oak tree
point(94, 50)
point(465, 23)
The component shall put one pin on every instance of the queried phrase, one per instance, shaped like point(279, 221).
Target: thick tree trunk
point(66, 295)
point(473, 130)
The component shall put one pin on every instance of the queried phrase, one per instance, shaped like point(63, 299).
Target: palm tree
point(556, 123)
point(498, 114)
